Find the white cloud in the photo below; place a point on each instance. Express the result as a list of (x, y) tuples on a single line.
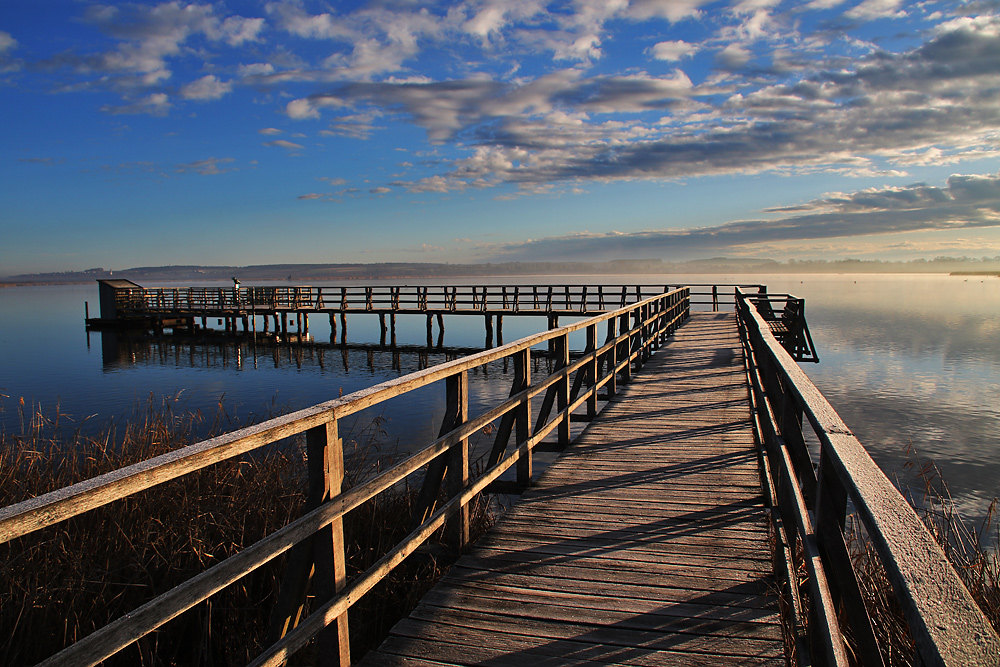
[(966, 202), (270, 131), (149, 37), (676, 50), (208, 167), (734, 56), (206, 88), (256, 69), (236, 30), (876, 9), (818, 5), (309, 107), (7, 42), (380, 190), (673, 10), (282, 143), (156, 104)]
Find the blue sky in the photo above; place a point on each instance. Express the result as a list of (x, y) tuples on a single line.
[(145, 134)]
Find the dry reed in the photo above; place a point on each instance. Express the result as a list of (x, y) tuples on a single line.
[(971, 549), (59, 584)]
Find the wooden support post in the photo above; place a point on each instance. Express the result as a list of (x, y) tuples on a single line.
[(326, 471), (333, 328), (457, 400), (440, 319), (305, 323), (591, 370), (321, 557), (343, 327), (553, 324), (522, 380), (489, 330), (430, 331), (499, 329), (456, 413), (382, 328), (612, 384), (625, 353), (562, 394)]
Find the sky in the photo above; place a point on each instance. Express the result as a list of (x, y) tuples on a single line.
[(245, 132)]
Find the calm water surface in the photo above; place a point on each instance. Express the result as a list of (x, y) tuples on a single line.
[(905, 359)]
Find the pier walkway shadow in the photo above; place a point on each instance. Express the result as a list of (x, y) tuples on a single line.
[(645, 543)]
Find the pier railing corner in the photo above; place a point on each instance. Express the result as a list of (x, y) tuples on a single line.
[(810, 494)]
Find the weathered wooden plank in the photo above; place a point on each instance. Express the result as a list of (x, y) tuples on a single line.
[(675, 580), (680, 618), (475, 648), (596, 582), (644, 543), (616, 634)]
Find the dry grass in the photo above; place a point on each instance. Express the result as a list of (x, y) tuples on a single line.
[(59, 584), (971, 549)]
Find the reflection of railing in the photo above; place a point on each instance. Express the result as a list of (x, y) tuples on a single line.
[(809, 508), (513, 299), (632, 334)]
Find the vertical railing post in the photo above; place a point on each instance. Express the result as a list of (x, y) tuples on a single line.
[(522, 380), (326, 477), (457, 476), (612, 384), (625, 352), (322, 556), (591, 370), (635, 337), (562, 395)]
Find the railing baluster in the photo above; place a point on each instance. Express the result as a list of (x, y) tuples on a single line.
[(457, 475)]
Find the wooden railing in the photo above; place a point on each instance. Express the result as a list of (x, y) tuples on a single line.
[(809, 510), (632, 333), (514, 299)]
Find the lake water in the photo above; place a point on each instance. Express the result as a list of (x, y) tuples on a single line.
[(904, 359)]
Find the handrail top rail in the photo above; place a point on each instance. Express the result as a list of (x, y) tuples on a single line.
[(656, 285), (201, 454), (935, 601)]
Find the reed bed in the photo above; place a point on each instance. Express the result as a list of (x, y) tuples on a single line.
[(971, 548), (59, 584)]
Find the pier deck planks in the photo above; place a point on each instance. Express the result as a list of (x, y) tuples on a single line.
[(645, 543)]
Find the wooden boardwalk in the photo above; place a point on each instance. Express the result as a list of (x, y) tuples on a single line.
[(645, 543)]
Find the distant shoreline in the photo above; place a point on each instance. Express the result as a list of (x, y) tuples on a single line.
[(410, 271)]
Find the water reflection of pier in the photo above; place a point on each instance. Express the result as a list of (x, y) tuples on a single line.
[(238, 351)]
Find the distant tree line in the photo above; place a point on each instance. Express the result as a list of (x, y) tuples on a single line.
[(321, 273)]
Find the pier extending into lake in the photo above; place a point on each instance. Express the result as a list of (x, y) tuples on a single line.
[(645, 543), (124, 303)]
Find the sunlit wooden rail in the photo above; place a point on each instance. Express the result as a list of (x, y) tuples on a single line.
[(808, 498), (811, 495), (565, 299)]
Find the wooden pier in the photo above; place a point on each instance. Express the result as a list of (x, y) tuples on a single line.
[(126, 304), (711, 475), (645, 543)]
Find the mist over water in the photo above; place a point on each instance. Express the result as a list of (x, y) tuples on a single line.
[(905, 359)]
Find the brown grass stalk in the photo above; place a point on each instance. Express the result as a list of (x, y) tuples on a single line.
[(59, 584)]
